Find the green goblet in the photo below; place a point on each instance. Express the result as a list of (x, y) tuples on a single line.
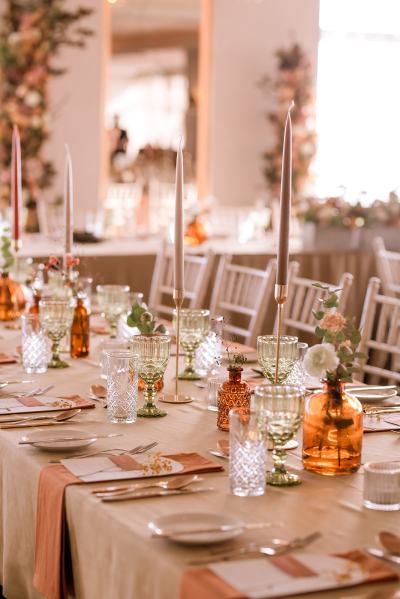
[(194, 326), (56, 316), (113, 302), (266, 354), (153, 351), (279, 409)]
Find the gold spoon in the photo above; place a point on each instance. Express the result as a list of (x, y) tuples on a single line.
[(99, 391), (172, 484), (66, 415), (390, 542)]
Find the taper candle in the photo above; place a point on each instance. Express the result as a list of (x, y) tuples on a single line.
[(68, 202), (286, 193), (16, 186), (178, 239)]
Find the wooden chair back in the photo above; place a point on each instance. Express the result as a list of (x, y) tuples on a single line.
[(388, 266)]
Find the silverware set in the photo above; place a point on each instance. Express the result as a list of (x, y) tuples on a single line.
[(133, 451), (31, 393), (171, 486), (22, 421)]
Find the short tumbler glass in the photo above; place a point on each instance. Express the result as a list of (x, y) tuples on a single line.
[(247, 454), (382, 486), (122, 386), (35, 345)]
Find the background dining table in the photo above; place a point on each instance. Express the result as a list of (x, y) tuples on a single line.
[(113, 554)]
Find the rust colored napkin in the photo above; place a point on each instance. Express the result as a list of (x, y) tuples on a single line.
[(50, 546), (198, 583), (7, 358), (100, 329)]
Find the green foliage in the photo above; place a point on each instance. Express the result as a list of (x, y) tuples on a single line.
[(141, 318)]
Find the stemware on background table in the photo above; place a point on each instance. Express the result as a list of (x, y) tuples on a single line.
[(266, 354), (122, 385), (194, 326), (35, 345), (113, 301), (153, 351), (56, 317), (279, 409)]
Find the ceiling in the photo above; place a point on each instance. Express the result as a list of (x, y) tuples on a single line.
[(133, 16)]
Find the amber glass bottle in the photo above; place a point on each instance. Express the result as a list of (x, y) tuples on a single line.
[(80, 331), (34, 306), (12, 300), (332, 431), (234, 393)]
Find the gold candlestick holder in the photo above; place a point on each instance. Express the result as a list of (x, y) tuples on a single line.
[(179, 296), (281, 292)]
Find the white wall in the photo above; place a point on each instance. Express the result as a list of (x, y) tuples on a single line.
[(77, 112), (245, 35)]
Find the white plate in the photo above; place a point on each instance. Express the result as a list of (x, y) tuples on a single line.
[(374, 396), (60, 445), (194, 520)]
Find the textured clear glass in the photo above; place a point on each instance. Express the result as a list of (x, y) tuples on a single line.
[(213, 385), (35, 345), (56, 317), (110, 345), (247, 453), (113, 301), (153, 351), (266, 354), (279, 409), (382, 486), (122, 386), (298, 376), (209, 355), (194, 326)]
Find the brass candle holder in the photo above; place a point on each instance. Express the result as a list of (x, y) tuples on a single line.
[(179, 296)]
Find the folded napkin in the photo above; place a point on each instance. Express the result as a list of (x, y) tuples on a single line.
[(191, 462), (7, 358), (198, 583), (50, 546), (100, 329)]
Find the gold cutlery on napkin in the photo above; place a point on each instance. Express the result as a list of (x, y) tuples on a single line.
[(155, 493), (177, 482), (65, 415), (59, 439)]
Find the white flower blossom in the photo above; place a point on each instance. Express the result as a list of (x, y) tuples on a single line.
[(319, 359)]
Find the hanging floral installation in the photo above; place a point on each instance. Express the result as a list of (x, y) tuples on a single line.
[(294, 81), (32, 33)]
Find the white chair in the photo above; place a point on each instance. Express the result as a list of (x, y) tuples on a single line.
[(380, 336), (197, 275), (243, 293), (388, 266), (303, 298)]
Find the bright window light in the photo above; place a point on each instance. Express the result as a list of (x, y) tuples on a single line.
[(358, 98)]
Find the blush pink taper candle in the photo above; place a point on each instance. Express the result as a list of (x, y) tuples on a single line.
[(178, 238), (16, 187), (68, 202), (286, 196)]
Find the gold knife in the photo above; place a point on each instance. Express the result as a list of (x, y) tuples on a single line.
[(156, 493)]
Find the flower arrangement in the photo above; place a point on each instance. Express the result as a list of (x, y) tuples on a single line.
[(334, 358), (294, 82), (141, 318), (67, 270), (31, 36)]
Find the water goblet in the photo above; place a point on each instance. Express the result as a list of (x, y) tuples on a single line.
[(113, 301), (153, 351), (56, 316), (266, 354), (279, 409), (194, 326)]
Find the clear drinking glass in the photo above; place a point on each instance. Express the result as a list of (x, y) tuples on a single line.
[(194, 326), (279, 409), (153, 351), (213, 384), (110, 345), (266, 354), (35, 345), (382, 486), (209, 355), (113, 301), (56, 316), (122, 385), (298, 376), (247, 453)]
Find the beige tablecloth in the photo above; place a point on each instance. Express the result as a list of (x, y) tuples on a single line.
[(113, 555)]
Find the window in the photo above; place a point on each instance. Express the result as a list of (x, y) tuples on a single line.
[(358, 98)]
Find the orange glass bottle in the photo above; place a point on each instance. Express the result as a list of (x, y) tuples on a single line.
[(234, 393), (80, 331)]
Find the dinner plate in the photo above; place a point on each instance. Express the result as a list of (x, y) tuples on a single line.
[(200, 520), (376, 396), (36, 436)]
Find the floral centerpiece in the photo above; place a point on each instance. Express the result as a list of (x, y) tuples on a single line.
[(333, 426)]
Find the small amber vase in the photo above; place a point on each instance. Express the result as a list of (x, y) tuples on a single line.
[(332, 431), (80, 331), (12, 299), (234, 393)]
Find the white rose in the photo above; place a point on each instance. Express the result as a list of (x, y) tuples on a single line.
[(32, 98), (319, 359)]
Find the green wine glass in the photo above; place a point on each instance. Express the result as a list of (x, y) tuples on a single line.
[(266, 354), (194, 326), (153, 351), (56, 316)]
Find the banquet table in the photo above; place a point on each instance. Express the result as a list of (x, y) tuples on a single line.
[(113, 554)]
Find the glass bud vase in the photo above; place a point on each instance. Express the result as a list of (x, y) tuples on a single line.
[(12, 299), (233, 393), (332, 431)]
